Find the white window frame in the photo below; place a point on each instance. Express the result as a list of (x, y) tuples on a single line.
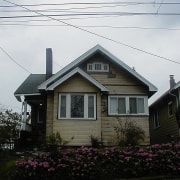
[(68, 105), (156, 122), (91, 67), (127, 107)]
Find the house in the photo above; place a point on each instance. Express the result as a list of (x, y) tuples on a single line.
[(164, 115), (85, 98)]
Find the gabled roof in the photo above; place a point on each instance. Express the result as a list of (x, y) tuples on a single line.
[(166, 94), (82, 73), (176, 86), (85, 56)]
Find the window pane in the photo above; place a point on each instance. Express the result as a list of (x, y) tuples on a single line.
[(140, 105), (97, 66), (90, 106), (63, 106), (90, 67), (113, 105), (121, 106), (77, 106), (132, 105)]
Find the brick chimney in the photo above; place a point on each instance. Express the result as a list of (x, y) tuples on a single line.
[(49, 67), (172, 81)]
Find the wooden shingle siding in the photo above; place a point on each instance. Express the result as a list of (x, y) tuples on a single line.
[(117, 80), (122, 83), (133, 90)]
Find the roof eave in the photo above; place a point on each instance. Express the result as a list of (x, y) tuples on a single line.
[(82, 73), (19, 96)]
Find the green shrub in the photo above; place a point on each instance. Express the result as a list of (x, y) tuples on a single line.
[(95, 141), (110, 163), (128, 132)]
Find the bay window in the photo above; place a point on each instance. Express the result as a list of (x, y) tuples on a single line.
[(122, 105), (77, 106)]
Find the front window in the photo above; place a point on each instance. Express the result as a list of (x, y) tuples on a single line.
[(136, 105), (77, 106), (122, 105)]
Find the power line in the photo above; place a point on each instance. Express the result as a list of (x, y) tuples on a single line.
[(12, 59), (92, 14), (90, 26), (98, 3), (98, 35), (159, 6), (57, 64), (66, 19), (64, 9)]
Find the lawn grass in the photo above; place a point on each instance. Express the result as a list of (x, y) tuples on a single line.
[(153, 178), (7, 163)]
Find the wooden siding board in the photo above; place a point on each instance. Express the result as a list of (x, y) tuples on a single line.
[(168, 125)]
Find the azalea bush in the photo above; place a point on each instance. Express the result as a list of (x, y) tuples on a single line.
[(108, 163)]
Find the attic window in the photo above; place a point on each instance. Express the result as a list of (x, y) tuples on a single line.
[(98, 67)]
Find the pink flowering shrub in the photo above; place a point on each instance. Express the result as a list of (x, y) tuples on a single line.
[(108, 163)]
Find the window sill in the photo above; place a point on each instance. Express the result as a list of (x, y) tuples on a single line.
[(76, 119)]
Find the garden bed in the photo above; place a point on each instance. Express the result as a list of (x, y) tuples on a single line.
[(160, 161)]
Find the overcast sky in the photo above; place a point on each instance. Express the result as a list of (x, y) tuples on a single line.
[(145, 34)]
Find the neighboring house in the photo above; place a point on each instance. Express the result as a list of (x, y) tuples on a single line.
[(165, 116), (86, 97)]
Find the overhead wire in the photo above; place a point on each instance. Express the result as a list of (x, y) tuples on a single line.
[(12, 59), (97, 3), (64, 9), (96, 34), (159, 6), (92, 26), (92, 14)]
